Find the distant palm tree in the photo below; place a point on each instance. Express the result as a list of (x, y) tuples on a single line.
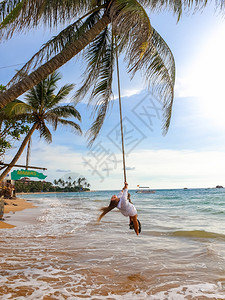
[(60, 181), (63, 183), (79, 181), (83, 180), (43, 106)]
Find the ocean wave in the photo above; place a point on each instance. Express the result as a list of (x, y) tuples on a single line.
[(192, 291), (198, 234)]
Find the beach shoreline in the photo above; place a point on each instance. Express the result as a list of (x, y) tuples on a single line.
[(12, 206), (40, 193)]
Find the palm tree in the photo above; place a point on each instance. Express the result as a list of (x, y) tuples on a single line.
[(79, 182), (41, 107), (93, 26), (74, 183), (60, 181)]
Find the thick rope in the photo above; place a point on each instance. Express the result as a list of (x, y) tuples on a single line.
[(28, 153), (121, 118)]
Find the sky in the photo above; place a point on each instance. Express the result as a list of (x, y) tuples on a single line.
[(190, 155)]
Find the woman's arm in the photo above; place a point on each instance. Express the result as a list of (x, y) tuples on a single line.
[(125, 185)]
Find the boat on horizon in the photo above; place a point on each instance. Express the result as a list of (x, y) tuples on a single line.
[(144, 190)]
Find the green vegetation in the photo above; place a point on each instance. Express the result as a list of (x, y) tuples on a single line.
[(11, 130), (60, 185), (43, 107)]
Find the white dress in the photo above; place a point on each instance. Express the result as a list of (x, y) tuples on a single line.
[(125, 207)]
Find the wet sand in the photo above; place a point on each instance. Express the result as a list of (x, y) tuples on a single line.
[(14, 205)]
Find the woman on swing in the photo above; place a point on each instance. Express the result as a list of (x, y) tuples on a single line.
[(125, 206)]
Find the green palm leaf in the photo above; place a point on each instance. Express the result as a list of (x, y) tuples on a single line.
[(76, 128), (158, 67), (17, 16), (43, 106), (62, 94), (45, 132), (102, 92), (65, 111), (18, 107), (131, 14), (94, 55), (57, 44)]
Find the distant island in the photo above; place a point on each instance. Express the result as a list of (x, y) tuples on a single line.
[(25, 185), (219, 187)]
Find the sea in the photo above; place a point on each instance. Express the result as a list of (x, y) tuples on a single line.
[(59, 251)]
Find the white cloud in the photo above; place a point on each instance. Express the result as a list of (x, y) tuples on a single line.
[(56, 158), (128, 92), (154, 168), (177, 169)]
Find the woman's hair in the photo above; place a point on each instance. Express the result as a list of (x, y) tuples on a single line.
[(106, 209)]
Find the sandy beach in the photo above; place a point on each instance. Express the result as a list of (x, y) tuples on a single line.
[(13, 206)]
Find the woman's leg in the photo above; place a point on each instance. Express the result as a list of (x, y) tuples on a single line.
[(135, 222)]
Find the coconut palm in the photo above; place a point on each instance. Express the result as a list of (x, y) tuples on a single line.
[(43, 107), (74, 183), (93, 27)]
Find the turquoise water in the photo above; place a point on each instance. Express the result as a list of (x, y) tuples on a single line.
[(66, 254)]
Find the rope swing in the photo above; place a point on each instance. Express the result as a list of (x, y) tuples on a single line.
[(121, 118)]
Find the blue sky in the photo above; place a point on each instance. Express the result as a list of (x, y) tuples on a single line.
[(190, 155)]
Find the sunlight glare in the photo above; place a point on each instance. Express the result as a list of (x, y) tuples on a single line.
[(207, 77)]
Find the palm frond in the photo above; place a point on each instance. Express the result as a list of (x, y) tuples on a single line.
[(179, 7), (49, 87), (65, 111), (18, 16), (17, 107), (61, 95), (9, 11), (40, 95), (102, 92), (158, 68), (45, 132), (33, 96), (74, 126), (96, 126), (131, 25), (94, 55), (56, 45)]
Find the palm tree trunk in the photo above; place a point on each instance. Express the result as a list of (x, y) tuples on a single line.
[(56, 62), (19, 152)]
